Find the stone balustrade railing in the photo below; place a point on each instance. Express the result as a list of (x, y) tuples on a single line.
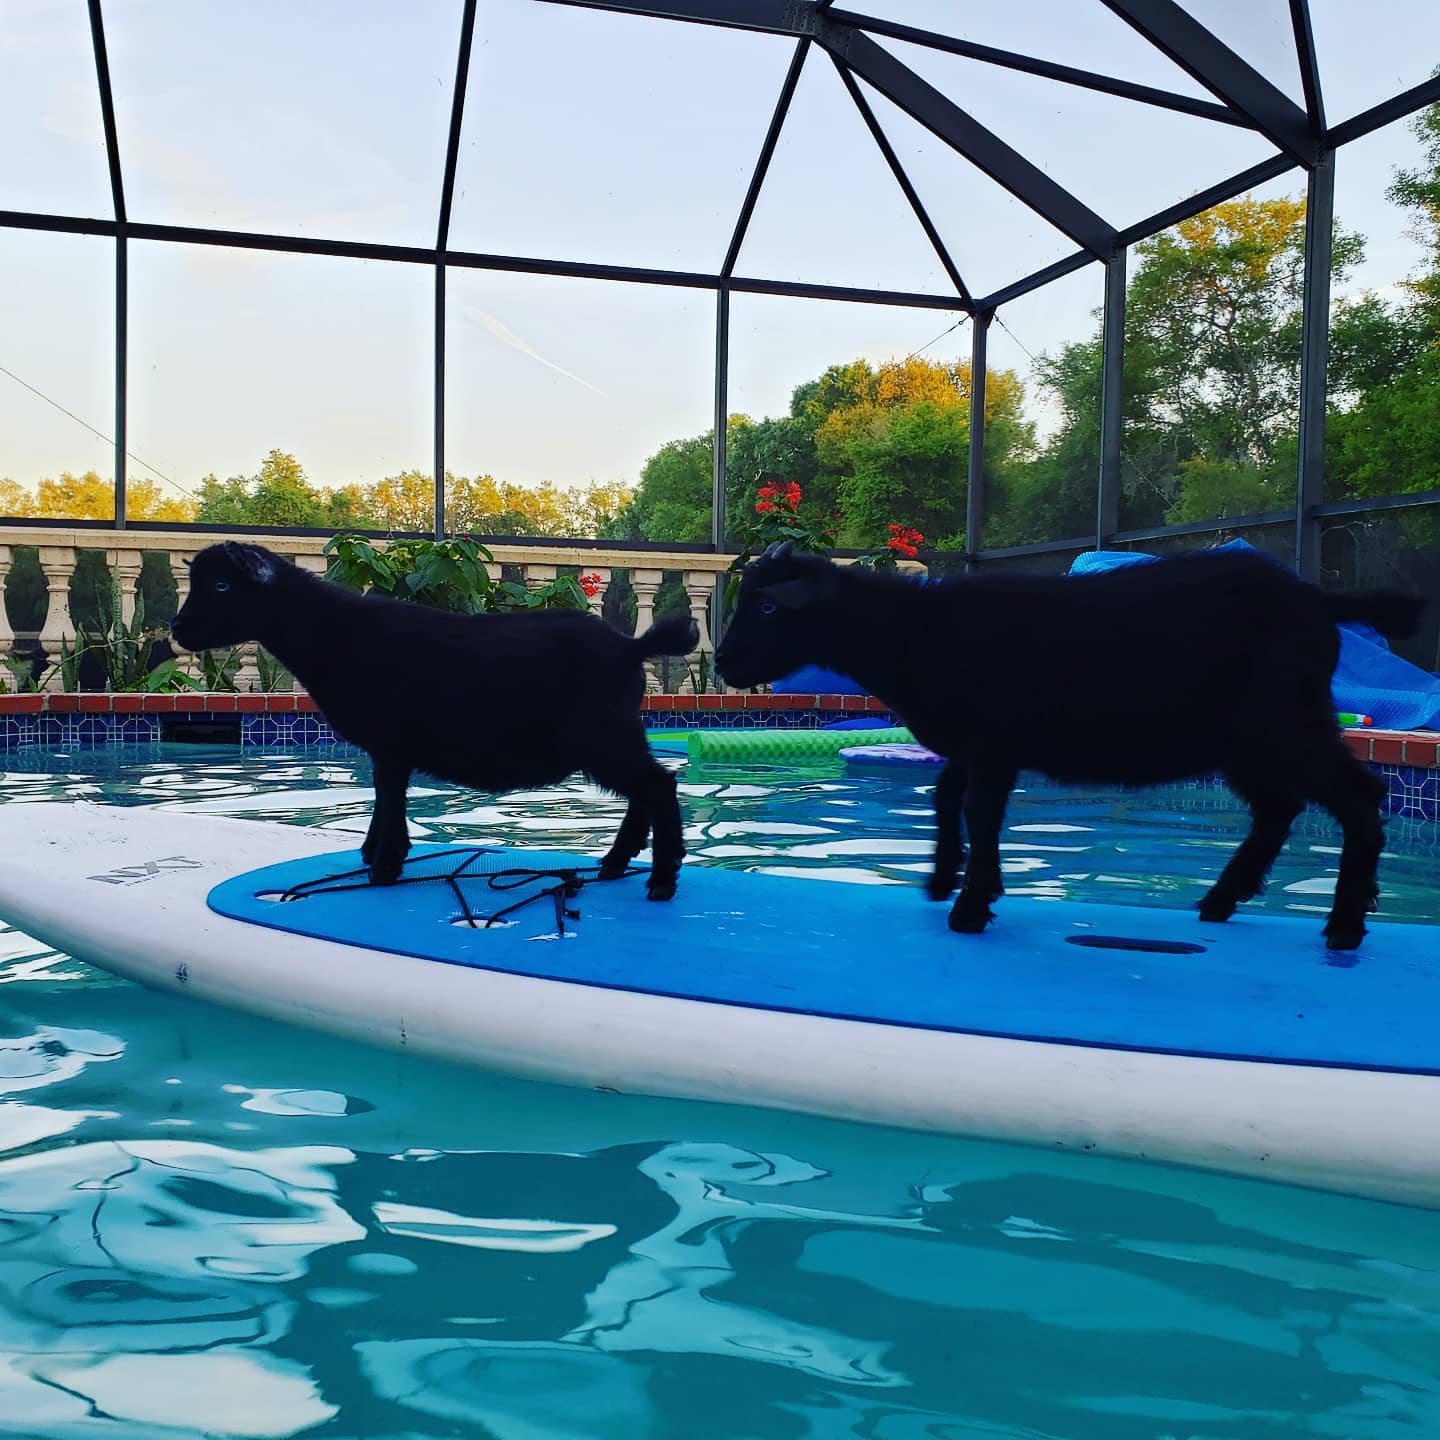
[(58, 550)]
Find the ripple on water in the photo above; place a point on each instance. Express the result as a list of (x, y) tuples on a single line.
[(344, 1242)]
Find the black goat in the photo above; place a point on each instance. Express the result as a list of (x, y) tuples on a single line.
[(507, 701), (1139, 675)]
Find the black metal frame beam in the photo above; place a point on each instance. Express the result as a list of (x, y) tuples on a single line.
[(470, 260), (1152, 225), (962, 132), (722, 417), (1112, 394), (1407, 102), (122, 259), (1247, 99), (882, 141), (1309, 65), (898, 83), (442, 241), (1047, 69), (1314, 361), (767, 153), (1178, 35), (975, 472)]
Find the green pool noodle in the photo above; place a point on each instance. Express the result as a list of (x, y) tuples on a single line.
[(722, 746)]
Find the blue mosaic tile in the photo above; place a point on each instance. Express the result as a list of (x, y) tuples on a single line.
[(19, 730), (285, 730)]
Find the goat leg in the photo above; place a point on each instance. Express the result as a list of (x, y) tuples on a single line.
[(949, 831), (669, 835), (388, 839), (986, 797), (1272, 812), (1354, 800), (629, 841)]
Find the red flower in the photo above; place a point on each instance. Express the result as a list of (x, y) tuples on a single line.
[(764, 507), (591, 585), (792, 494), (769, 492)]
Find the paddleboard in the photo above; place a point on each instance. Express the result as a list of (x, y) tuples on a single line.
[(1246, 1048)]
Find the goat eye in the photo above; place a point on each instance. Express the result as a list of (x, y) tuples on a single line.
[(768, 607), (221, 586)]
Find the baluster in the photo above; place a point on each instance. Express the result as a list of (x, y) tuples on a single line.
[(58, 564), (597, 600), (699, 587), (180, 569), (645, 583), (7, 634), (125, 568)]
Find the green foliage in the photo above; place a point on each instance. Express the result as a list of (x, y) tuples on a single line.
[(279, 495), (69, 665), (446, 575), (272, 675), (124, 651), (219, 668), (443, 574)]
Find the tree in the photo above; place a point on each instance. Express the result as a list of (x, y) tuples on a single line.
[(89, 497), (877, 444), (1210, 387)]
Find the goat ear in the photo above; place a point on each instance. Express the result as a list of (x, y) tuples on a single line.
[(251, 561), (795, 594)]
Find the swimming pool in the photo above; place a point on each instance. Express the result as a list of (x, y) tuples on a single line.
[(216, 1225)]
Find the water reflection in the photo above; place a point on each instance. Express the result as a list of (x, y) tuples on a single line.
[(209, 1225), (1164, 846), (679, 1287)]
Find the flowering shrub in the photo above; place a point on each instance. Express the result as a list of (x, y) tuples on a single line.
[(904, 541), (591, 585), (780, 514)]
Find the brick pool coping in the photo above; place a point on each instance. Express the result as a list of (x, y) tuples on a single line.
[(1418, 748)]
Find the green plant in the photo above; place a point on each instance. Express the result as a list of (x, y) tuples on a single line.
[(123, 650), (903, 541), (564, 592), (272, 675), (699, 674), (218, 669), (780, 514), (22, 674), (446, 575), (69, 665)]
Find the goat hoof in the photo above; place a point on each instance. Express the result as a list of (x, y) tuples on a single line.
[(1344, 937), (385, 872), (940, 889), (612, 869), (660, 890), (970, 922), (1215, 910)]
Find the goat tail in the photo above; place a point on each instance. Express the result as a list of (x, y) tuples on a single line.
[(1391, 612), (676, 634)]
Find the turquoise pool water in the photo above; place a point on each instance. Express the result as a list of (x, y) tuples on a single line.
[(210, 1225)]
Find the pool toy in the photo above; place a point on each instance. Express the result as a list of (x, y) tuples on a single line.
[(1243, 1047), (763, 746), (891, 757)]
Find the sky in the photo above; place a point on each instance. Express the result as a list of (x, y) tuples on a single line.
[(588, 136)]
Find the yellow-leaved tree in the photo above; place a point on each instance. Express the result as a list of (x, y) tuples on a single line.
[(89, 497)]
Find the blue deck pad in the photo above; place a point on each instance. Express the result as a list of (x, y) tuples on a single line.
[(1262, 987)]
